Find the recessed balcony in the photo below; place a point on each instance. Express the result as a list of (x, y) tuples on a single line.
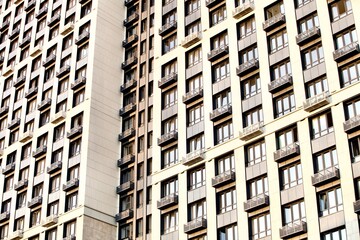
[(130, 40), (125, 187), (54, 20), (357, 206), (129, 108), (167, 138), (293, 229), (352, 124), (167, 28), (252, 131), (128, 85), (211, 3), (5, 25), (49, 60), (168, 201), (274, 22), (168, 80), (26, 136), (316, 101), (130, 158), (74, 132), (36, 201), (71, 184), (20, 80), (287, 152), (63, 71), (280, 83), (128, 133), (191, 39), (20, 185), (4, 110), (50, 221), (78, 83), (124, 215), (325, 176), (131, 19), (42, 12), (14, 123), (243, 9), (8, 168), (54, 167), (31, 92), (192, 95), (30, 5), (346, 52), (39, 151), (4, 216), (26, 41), (308, 36), (129, 63), (221, 112), (218, 53), (195, 225), (194, 157), (247, 67), (257, 202), (223, 178), (83, 37), (14, 33), (44, 104)]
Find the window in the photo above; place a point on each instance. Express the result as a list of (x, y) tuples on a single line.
[(196, 143), (83, 51), (194, 27), (352, 108), (170, 98), (316, 87), (85, 9), (70, 4), (126, 203), (192, 6), (226, 201), (6, 206), (330, 201), (126, 231), (225, 164), (291, 176), (226, 233), (221, 71), (71, 201), (8, 183), (284, 104), (280, 70), (274, 10), (294, 213), (219, 41), (196, 114), (196, 178), (321, 125), (255, 153), (169, 222), (67, 42), (194, 57), (345, 38), (286, 137), (223, 132), (38, 190), (169, 43), (70, 229), (4, 231), (350, 74), (194, 84), (170, 157), (258, 187), (338, 234), (253, 116), (340, 9), (170, 126), (169, 187), (39, 167), (278, 41), (355, 148), (308, 23), (51, 234), (31, 106), (53, 208), (247, 27), (35, 217), (44, 118), (79, 97), (57, 156), (14, 136), (19, 224), (249, 54), (21, 200), (312, 57), (300, 3), (55, 183), (260, 226), (326, 160), (251, 87), (73, 173), (75, 148), (218, 15)]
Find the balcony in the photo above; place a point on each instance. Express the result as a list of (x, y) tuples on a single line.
[(127, 109), (287, 152), (167, 28), (59, 116), (125, 187), (352, 124), (71, 184), (41, 12), (20, 80), (168, 80), (127, 3), (218, 53), (31, 92), (54, 20), (124, 215), (83, 37), (25, 41), (131, 19), (125, 135), (130, 158), (71, 237), (346, 52), (192, 95), (316, 101), (36, 201), (195, 225), (7, 71), (168, 201), (293, 229), (308, 36), (14, 123), (194, 157), (167, 138), (36, 50), (130, 40), (4, 216), (63, 71), (17, 235), (4, 110), (26, 136), (8, 168), (257, 202), (128, 85), (223, 178), (247, 67), (252, 131), (39, 151), (191, 39), (221, 112), (5, 25), (211, 3), (74, 132), (30, 5), (243, 9), (280, 83), (50, 221), (44, 104), (325, 176), (54, 167), (21, 185), (78, 83), (49, 60), (67, 29), (14, 33), (357, 207), (129, 63), (274, 22)]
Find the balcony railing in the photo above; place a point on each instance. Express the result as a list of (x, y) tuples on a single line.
[(63, 71), (127, 3), (218, 52), (71, 184), (128, 85), (167, 28), (25, 41), (223, 178), (39, 151), (75, 131), (280, 83), (192, 95), (14, 123), (82, 38), (5, 25), (130, 40), (55, 19), (30, 5), (49, 60), (127, 186), (273, 22), (352, 124), (130, 158), (14, 33), (129, 63), (44, 104), (4, 216), (50, 221), (21, 184), (194, 157), (167, 138), (316, 101), (81, 81), (357, 207), (293, 229), (41, 12), (168, 80), (286, 152), (127, 109), (346, 51), (71, 237), (243, 9), (167, 201), (191, 39), (55, 166), (124, 215), (247, 67), (36, 201), (195, 225), (221, 112), (31, 92), (131, 19), (8, 168), (128, 133), (4, 110), (252, 131), (20, 80), (325, 176), (211, 3), (308, 35), (257, 202)]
